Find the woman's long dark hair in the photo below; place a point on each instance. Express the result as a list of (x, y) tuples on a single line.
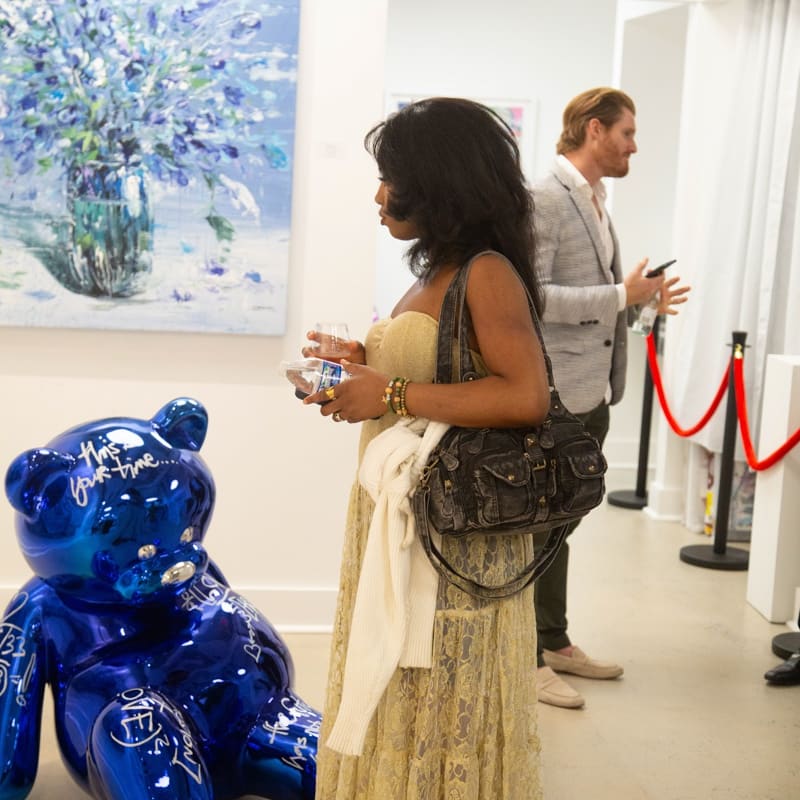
[(453, 168)]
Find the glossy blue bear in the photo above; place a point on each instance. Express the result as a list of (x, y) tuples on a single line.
[(167, 684)]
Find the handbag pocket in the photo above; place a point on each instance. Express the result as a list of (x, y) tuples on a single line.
[(581, 470), (504, 491)]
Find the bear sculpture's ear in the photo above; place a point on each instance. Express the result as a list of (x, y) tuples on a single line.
[(30, 475), (183, 423)]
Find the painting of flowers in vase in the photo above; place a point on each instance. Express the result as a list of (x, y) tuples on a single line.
[(146, 153)]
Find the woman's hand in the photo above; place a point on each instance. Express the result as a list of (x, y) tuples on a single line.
[(354, 351), (355, 399)]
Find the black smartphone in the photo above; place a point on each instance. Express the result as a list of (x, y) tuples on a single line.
[(659, 269)]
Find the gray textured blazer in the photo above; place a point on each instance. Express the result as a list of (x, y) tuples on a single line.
[(585, 335)]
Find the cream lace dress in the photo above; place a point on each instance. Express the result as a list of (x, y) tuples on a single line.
[(465, 729)]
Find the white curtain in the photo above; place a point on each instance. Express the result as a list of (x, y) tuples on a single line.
[(737, 229)]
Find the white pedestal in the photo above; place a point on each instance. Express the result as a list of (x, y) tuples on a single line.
[(774, 570)]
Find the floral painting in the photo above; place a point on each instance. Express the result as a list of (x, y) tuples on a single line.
[(146, 153)]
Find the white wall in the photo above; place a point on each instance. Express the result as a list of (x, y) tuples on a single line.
[(282, 473)]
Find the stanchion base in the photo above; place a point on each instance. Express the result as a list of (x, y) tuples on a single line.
[(703, 555), (626, 498), (785, 645)]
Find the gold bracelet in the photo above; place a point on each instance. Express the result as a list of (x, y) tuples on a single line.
[(387, 396)]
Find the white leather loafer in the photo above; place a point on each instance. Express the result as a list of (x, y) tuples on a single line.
[(552, 690)]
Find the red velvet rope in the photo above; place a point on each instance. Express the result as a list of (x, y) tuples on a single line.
[(654, 372), (744, 427)]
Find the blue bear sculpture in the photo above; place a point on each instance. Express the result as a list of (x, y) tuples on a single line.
[(167, 684)]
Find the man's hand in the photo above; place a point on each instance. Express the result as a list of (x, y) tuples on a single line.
[(672, 297), (638, 287)]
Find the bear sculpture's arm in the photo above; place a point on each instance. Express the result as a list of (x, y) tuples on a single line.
[(22, 681)]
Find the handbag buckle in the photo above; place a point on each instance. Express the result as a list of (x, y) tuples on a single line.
[(425, 473)]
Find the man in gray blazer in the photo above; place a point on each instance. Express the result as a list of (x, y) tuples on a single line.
[(588, 305)]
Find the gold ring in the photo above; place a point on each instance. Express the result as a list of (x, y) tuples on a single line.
[(337, 417), (329, 393)]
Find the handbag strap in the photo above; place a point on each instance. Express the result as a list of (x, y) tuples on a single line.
[(454, 325), (527, 575)]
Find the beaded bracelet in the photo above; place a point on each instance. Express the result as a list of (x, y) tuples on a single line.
[(394, 396), (388, 395)]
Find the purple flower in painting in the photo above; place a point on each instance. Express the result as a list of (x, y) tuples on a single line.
[(233, 94), (214, 267)]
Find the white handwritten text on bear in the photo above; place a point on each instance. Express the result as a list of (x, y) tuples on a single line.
[(106, 464)]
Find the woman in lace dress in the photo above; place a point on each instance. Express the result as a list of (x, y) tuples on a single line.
[(463, 727)]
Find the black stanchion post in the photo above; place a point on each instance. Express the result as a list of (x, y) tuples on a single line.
[(625, 498), (719, 556), (785, 645)]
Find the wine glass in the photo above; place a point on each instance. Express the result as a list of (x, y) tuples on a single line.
[(332, 341)]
